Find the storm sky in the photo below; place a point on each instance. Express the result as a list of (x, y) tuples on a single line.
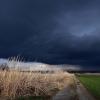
[(51, 31)]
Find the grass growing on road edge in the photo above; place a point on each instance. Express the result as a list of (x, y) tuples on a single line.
[(92, 83)]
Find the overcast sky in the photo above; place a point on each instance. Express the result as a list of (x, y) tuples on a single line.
[(51, 31)]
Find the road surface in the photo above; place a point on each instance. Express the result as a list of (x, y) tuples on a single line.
[(69, 94)]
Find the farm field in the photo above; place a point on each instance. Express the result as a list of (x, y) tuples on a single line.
[(92, 83)]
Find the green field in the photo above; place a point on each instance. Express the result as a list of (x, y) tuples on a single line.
[(92, 83)]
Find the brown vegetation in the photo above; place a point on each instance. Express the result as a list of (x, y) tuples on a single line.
[(15, 84)]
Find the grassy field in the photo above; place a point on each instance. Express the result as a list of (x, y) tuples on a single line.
[(92, 83), (24, 85)]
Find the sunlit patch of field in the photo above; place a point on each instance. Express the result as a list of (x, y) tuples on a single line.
[(15, 84)]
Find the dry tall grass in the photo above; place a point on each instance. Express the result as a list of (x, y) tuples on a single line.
[(15, 84)]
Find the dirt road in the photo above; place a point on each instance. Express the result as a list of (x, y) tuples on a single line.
[(82, 92), (66, 94), (69, 94)]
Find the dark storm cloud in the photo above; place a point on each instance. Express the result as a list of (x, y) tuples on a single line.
[(52, 31)]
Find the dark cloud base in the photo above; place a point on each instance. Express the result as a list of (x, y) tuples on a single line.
[(53, 31)]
